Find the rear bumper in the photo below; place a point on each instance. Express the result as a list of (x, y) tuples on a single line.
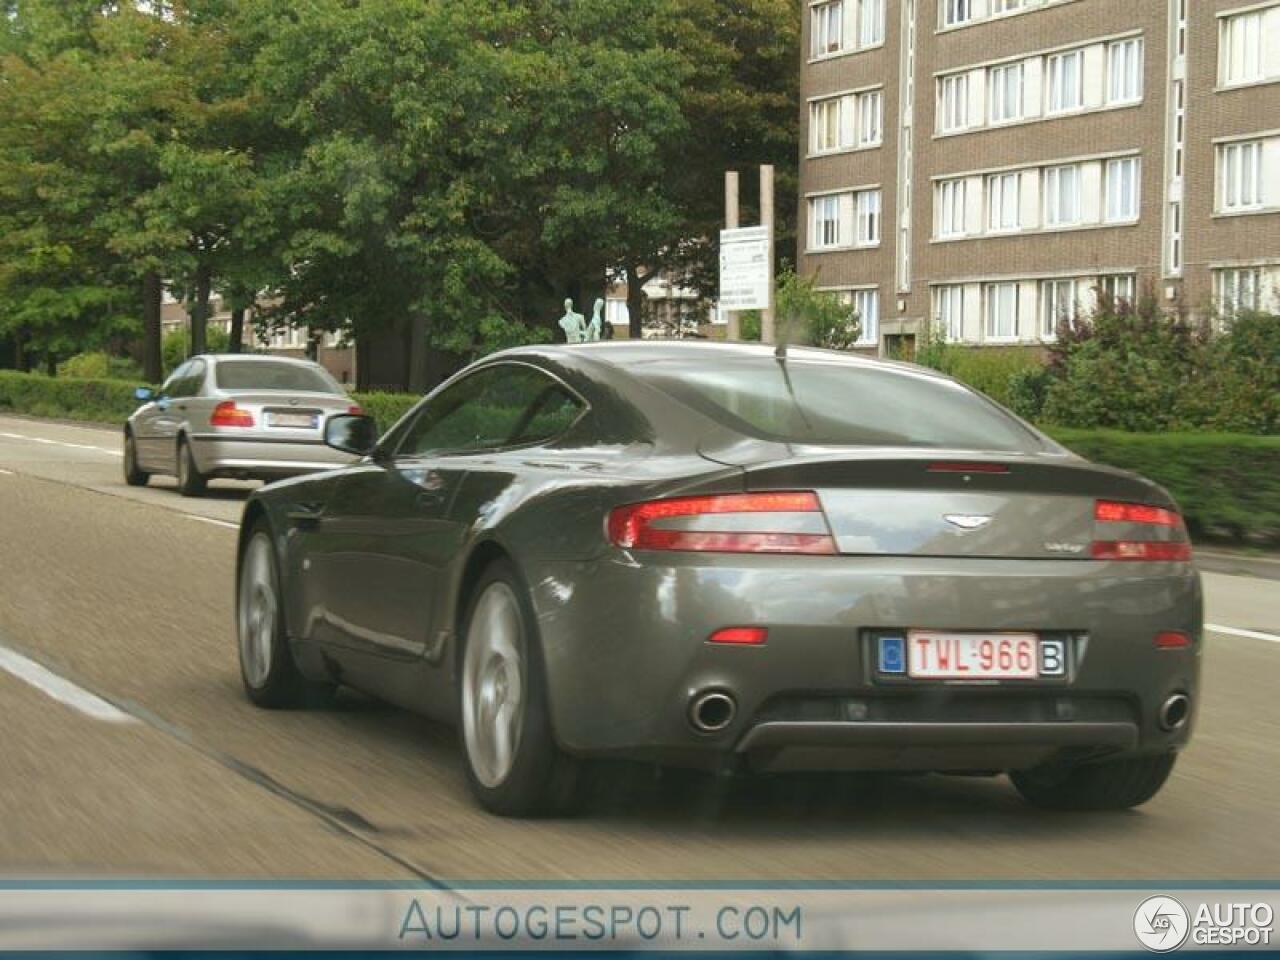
[(625, 641), (221, 455)]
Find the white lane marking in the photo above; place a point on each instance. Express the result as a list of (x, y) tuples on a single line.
[(62, 443), (60, 688), (219, 523), (1237, 632), (7, 473)]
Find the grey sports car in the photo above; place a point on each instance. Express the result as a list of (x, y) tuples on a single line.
[(246, 416), (733, 558)]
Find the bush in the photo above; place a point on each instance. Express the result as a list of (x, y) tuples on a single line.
[(812, 316), (65, 398), (1001, 373), (386, 408), (99, 366), (1228, 485), (173, 348)]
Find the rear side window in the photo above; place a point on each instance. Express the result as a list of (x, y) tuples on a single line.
[(836, 403), (504, 405), (270, 375)]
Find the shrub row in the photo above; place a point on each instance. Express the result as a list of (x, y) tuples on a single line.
[(1227, 484)]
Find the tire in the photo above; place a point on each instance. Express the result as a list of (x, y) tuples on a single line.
[(1110, 785), (133, 476), (191, 482), (267, 668), (513, 764)]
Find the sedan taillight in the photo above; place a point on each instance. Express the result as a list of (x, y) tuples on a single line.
[(227, 414), (789, 522), (1177, 550)]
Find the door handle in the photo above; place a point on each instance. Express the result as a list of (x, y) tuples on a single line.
[(306, 516)]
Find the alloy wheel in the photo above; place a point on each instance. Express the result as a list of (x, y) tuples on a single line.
[(258, 609), (493, 685)]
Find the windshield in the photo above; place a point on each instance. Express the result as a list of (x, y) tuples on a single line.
[(839, 404), (269, 375)]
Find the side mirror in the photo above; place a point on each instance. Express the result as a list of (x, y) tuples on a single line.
[(144, 394), (351, 433)]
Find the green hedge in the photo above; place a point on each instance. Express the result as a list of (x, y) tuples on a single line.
[(1228, 484)]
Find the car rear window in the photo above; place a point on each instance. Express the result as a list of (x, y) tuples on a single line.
[(839, 403), (266, 375)]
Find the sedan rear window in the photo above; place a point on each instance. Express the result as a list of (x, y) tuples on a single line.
[(839, 404), (267, 375)]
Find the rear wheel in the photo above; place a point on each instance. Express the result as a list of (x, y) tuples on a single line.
[(513, 764), (1110, 785), (133, 476), (191, 482), (271, 678)]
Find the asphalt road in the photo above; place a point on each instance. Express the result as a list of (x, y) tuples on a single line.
[(128, 749)]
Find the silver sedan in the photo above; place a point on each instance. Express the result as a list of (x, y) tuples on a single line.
[(234, 415)]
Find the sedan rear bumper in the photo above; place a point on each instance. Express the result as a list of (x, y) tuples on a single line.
[(223, 455)]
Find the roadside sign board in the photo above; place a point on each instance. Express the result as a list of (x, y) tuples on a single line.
[(744, 269)]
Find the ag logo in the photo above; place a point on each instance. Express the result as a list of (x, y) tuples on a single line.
[(1161, 924)]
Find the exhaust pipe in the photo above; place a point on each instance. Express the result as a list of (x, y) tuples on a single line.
[(1175, 711), (712, 711)]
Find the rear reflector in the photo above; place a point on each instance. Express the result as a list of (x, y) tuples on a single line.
[(1170, 551), (1109, 511), (749, 523), (949, 466), (1172, 639), (743, 636), (227, 414)]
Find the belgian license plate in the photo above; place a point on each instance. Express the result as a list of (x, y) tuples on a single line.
[(940, 655), (306, 420)]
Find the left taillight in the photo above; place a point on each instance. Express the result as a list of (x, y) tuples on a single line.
[(1140, 547), (782, 522), (227, 414)]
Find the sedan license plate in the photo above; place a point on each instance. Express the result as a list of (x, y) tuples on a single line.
[(940, 655), (304, 420)]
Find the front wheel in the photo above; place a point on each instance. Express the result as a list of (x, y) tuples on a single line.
[(514, 766), (133, 476), (191, 482), (1109, 785)]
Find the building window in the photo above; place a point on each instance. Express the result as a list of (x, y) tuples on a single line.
[(824, 213), (1237, 290), (1240, 176), (825, 125), (1057, 306), (1124, 71), (1240, 48), (1006, 6), (1175, 238), (868, 206), (1118, 288), (1002, 311), (1066, 81), (1005, 87), (871, 23), (953, 106), (870, 110), (1004, 202), (1062, 196), (1123, 188), (827, 28), (951, 208), (956, 12), (867, 305), (949, 309)]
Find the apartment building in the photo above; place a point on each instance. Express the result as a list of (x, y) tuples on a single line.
[(985, 168)]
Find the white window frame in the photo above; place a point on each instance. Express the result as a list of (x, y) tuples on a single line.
[(1059, 300), (826, 28), (1000, 8), (951, 199), (953, 103), (1004, 202), (1120, 287), (866, 205), (1241, 53), (870, 23), (1125, 63), (993, 297), (1237, 288), (1123, 190), (954, 13), (1064, 82), (1239, 176), (825, 229), (1007, 93), (866, 303), (1058, 213), (822, 113), (869, 118), (948, 310)]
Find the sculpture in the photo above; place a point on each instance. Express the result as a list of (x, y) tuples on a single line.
[(595, 328), (573, 324)]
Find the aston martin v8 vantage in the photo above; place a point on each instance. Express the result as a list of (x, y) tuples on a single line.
[(730, 557)]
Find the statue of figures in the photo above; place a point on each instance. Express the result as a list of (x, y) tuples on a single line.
[(573, 324), (596, 326)]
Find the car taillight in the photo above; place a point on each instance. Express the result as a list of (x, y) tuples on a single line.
[(790, 522), (227, 414), (741, 636), (1177, 550), (355, 410)]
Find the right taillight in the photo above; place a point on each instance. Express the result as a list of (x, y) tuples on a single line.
[(782, 522), (1139, 515)]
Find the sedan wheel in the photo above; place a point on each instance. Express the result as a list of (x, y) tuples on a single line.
[(513, 763), (133, 476), (191, 482)]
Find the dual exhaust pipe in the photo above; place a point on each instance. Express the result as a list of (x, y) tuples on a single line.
[(1175, 712)]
